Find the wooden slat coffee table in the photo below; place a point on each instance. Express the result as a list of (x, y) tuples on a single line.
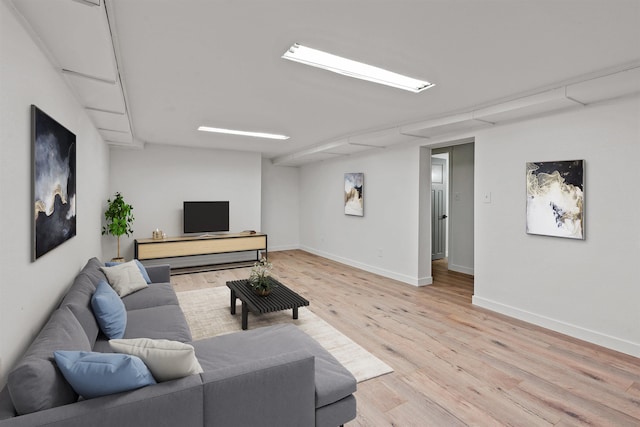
[(280, 298)]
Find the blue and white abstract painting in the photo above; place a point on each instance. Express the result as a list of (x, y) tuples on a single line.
[(54, 183), (354, 194), (555, 198)]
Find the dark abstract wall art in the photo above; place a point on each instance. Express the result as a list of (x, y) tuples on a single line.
[(54, 183), (354, 194), (555, 198)]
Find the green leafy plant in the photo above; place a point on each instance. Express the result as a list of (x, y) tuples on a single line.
[(119, 218), (259, 277)]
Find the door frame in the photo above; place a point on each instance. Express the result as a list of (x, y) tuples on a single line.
[(424, 253), (434, 154)]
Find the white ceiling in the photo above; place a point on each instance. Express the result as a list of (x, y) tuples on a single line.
[(161, 68)]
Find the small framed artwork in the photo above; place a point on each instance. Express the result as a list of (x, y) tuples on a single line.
[(555, 198), (354, 194), (54, 183)]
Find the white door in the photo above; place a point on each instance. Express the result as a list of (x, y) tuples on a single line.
[(438, 208)]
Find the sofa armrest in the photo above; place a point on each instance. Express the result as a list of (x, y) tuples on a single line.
[(171, 403), (275, 391), (159, 273)]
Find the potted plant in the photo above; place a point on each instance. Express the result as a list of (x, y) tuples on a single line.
[(119, 220), (259, 277)]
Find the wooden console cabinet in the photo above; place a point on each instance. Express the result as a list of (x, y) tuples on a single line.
[(172, 247)]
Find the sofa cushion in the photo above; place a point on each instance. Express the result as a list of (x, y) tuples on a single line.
[(333, 381), (152, 296), (125, 278), (81, 290), (159, 273), (338, 413), (102, 345), (162, 322), (100, 374), (78, 298), (141, 267), (92, 270), (86, 318), (109, 311), (167, 360), (35, 383)]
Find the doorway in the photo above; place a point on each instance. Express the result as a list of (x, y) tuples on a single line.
[(439, 205), (452, 206)]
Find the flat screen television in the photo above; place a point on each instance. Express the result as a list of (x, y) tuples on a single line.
[(205, 217)]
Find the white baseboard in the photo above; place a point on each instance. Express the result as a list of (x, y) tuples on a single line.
[(461, 269), (283, 248), (575, 331), (415, 281), (424, 281)]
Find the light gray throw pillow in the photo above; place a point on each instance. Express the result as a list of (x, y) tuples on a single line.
[(125, 278), (167, 360)]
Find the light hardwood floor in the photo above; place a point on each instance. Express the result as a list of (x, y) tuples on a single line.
[(455, 364)]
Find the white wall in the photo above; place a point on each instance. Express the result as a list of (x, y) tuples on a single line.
[(157, 180), (589, 289), (386, 239), (29, 291), (281, 206)]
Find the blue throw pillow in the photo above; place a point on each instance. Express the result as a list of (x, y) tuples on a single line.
[(99, 374), (109, 311), (143, 270)]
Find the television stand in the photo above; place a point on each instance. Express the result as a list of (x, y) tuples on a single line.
[(207, 235), (186, 246)]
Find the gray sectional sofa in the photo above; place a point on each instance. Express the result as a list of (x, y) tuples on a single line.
[(274, 376)]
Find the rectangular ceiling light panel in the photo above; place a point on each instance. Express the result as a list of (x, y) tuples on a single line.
[(242, 133), (358, 70)]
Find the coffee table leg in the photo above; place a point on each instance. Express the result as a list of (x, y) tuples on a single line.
[(245, 316), (295, 312), (233, 301)]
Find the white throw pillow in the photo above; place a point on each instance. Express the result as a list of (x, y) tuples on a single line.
[(167, 360), (125, 278)]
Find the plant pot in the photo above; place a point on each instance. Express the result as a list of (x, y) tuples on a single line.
[(262, 292)]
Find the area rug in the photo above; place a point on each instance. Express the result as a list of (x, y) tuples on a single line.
[(208, 315)]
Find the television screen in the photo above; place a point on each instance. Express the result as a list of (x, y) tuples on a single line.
[(206, 217)]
